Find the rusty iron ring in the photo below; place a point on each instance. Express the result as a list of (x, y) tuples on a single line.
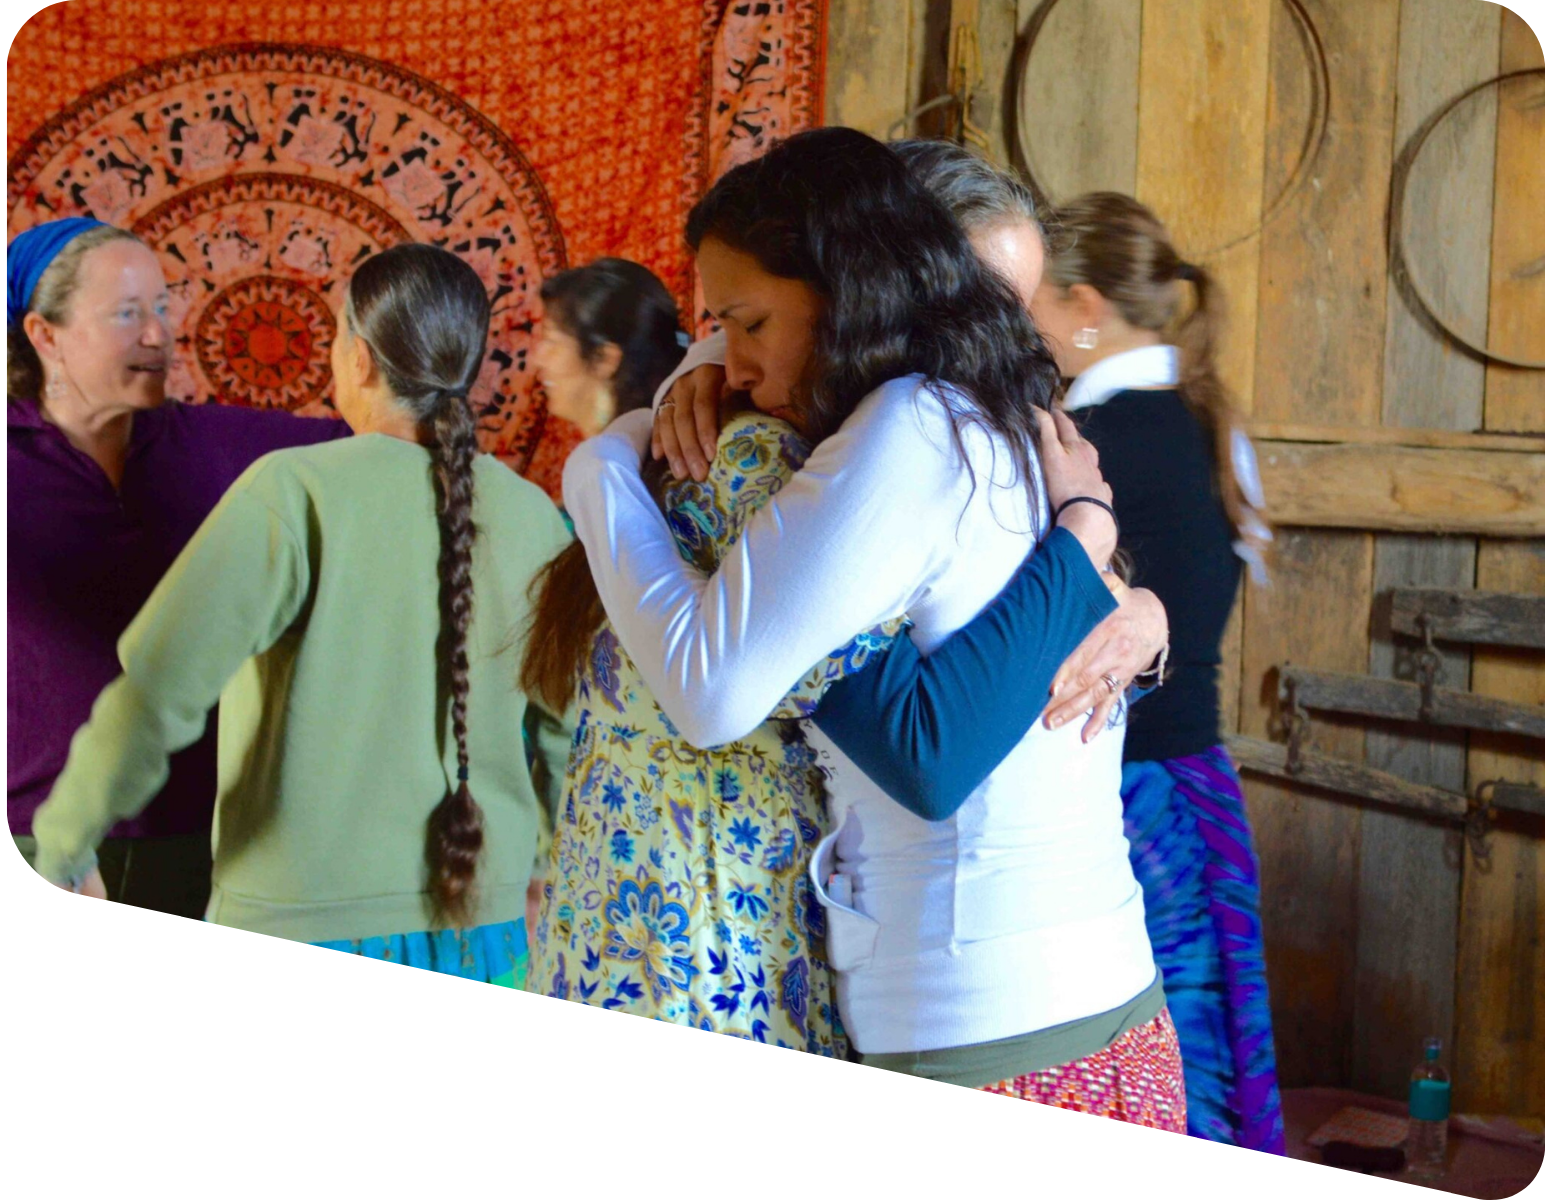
[(1312, 140), (1404, 272)]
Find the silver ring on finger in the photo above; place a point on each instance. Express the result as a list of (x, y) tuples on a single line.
[(1111, 682)]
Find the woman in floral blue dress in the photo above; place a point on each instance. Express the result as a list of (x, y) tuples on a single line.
[(678, 886)]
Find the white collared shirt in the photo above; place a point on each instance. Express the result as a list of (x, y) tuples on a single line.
[(1143, 367), (1156, 367)]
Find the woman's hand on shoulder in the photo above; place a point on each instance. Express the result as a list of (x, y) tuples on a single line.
[(1124, 646), (1071, 468), (685, 429)]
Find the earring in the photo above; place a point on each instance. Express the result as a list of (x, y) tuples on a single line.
[(1085, 339), (54, 389)]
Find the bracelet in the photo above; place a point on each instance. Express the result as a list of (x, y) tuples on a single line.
[(1101, 504), (1154, 675)]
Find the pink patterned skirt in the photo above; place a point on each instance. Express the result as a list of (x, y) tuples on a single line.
[(1137, 1079)]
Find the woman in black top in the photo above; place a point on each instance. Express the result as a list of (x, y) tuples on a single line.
[(1146, 392)]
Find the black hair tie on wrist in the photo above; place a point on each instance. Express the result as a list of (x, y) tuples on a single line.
[(1101, 504)]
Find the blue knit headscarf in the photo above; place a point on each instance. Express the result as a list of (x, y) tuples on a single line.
[(30, 254)]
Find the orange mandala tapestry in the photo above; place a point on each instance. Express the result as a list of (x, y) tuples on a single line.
[(264, 150)]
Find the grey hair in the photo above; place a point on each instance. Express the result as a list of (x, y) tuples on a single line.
[(423, 313), (52, 300), (977, 192)]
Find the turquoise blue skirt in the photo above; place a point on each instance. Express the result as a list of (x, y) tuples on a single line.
[(496, 954)]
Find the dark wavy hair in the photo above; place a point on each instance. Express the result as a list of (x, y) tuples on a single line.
[(423, 313), (903, 292), (614, 301), (611, 301)]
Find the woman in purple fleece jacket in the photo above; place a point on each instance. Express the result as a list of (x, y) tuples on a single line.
[(107, 481)]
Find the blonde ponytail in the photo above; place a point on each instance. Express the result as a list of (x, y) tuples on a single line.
[(1118, 246)]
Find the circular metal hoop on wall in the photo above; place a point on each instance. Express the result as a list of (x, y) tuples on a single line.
[(1404, 266), (1312, 139)]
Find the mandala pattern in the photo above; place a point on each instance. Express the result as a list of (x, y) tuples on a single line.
[(263, 174), (239, 158), (265, 337)]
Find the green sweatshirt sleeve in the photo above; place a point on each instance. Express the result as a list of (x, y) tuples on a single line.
[(238, 585)]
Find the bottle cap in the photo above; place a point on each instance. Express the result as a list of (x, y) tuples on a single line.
[(1433, 1049)]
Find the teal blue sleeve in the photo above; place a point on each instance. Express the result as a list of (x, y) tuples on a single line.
[(929, 730)]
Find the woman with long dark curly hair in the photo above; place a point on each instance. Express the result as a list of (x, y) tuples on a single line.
[(352, 606), (1004, 947)]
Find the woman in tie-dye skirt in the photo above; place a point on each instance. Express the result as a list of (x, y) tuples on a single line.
[(1146, 392)]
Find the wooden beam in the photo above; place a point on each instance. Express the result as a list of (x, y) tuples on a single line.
[(1483, 618), (1324, 277), (1515, 797), (1501, 940), (1404, 489), (1322, 310), (1435, 439), (1350, 779), (1401, 700), (995, 24), (1406, 946), (1514, 399), (1203, 96), (868, 77), (1258, 757)]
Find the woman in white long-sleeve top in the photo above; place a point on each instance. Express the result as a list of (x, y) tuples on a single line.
[(1004, 947)]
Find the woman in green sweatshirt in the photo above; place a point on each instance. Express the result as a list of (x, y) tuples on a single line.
[(353, 605)]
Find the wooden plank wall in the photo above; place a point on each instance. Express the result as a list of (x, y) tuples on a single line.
[(1381, 928), (1500, 1027), (1322, 306), (1409, 870), (1088, 141)]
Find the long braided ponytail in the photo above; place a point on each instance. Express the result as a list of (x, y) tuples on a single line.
[(454, 830), (423, 313)]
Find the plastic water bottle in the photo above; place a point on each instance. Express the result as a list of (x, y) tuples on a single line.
[(1430, 1100)]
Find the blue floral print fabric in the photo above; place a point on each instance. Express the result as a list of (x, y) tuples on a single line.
[(678, 887)]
